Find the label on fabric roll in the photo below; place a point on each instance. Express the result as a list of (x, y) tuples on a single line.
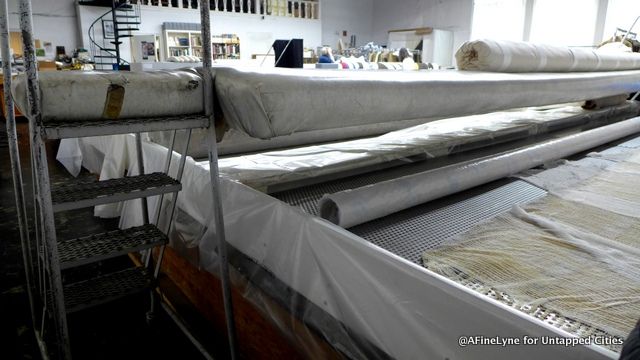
[(113, 102)]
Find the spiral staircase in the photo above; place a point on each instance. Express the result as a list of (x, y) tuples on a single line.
[(107, 32)]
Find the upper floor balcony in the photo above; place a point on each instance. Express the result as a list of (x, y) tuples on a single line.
[(304, 9)]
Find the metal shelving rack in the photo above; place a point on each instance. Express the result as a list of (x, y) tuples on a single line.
[(47, 290)]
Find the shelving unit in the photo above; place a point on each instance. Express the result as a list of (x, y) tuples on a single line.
[(186, 39), (182, 42), (225, 46)]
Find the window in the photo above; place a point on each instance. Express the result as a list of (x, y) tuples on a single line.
[(621, 14), (498, 19), (564, 22)]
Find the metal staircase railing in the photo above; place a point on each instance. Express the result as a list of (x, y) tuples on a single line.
[(54, 297), (108, 30)]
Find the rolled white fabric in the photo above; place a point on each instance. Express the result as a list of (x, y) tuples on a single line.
[(84, 95), (514, 56), (353, 207)]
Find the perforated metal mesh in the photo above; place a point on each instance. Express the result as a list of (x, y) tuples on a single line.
[(307, 197), (409, 233), (106, 288), (97, 247), (73, 191), (551, 317)]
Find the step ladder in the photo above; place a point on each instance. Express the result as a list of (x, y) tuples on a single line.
[(51, 293), (107, 32)]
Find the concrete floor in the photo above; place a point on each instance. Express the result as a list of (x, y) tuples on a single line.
[(114, 331)]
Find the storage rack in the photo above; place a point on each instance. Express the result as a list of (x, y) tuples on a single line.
[(46, 288)]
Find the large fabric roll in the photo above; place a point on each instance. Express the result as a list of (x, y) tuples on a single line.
[(78, 95), (353, 207), (514, 56), (267, 103)]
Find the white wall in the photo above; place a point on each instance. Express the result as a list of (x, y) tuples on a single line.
[(399, 14), (54, 21), (354, 16), (452, 15)]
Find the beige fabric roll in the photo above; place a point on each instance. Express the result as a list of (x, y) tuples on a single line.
[(93, 95), (514, 56)]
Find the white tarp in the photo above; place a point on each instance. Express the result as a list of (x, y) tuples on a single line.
[(81, 95), (518, 56), (276, 102)]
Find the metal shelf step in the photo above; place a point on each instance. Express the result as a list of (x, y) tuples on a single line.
[(127, 29), (128, 23), (79, 194), (105, 56), (94, 248), (72, 129), (106, 288)]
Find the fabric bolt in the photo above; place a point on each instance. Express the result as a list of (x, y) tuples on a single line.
[(517, 56), (269, 103), (82, 96)]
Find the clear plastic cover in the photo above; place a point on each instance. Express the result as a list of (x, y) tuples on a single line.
[(360, 299)]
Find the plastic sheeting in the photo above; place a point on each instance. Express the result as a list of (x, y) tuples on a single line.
[(517, 56), (237, 142), (276, 102), (581, 180), (356, 206), (81, 96), (404, 310), (435, 139)]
